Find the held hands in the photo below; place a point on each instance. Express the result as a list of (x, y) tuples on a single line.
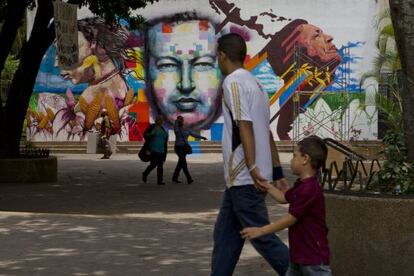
[(252, 232), (281, 184), (261, 183)]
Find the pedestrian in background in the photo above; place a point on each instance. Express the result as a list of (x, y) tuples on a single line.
[(158, 140), (182, 148), (105, 134)]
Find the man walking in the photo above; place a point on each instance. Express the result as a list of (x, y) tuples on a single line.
[(248, 153)]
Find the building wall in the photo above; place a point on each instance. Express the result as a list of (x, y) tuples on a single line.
[(318, 47)]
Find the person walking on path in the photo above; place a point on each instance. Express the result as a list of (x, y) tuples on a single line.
[(105, 134), (181, 143), (249, 153), (158, 139), (308, 233)]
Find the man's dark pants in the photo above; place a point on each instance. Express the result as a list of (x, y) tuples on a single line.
[(244, 206), (157, 160)]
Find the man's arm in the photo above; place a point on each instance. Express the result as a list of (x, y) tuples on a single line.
[(281, 182), (195, 135), (249, 148), (274, 151), (255, 232)]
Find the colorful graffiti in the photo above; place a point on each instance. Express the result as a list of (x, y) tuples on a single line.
[(108, 76), (171, 68), (183, 73)]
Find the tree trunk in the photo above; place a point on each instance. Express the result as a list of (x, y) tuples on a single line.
[(14, 14), (402, 15), (22, 86)]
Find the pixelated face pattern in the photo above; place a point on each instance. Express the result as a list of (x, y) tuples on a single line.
[(183, 70)]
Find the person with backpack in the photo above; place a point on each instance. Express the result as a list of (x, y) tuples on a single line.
[(157, 137), (182, 148), (105, 134)]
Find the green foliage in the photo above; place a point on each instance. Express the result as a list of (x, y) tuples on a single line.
[(396, 171), (391, 107), (341, 101), (112, 11), (10, 67)]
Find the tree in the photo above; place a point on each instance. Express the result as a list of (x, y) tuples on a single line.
[(42, 35), (386, 72), (402, 16)]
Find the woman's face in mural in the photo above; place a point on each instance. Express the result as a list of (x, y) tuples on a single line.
[(183, 70), (318, 43), (80, 74)]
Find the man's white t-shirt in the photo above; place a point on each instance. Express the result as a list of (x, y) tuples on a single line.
[(243, 95)]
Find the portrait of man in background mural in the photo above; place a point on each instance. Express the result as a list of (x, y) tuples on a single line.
[(183, 78), (313, 68), (306, 59)]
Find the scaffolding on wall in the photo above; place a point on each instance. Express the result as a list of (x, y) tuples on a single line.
[(341, 80)]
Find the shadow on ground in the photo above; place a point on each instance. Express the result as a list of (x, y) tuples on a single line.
[(100, 219)]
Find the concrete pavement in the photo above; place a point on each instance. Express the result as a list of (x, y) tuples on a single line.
[(100, 219)]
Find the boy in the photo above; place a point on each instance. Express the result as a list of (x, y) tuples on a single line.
[(308, 241)]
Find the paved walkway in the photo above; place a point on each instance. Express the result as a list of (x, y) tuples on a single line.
[(100, 219)]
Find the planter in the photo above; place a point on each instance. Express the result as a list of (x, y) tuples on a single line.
[(28, 170), (370, 235)]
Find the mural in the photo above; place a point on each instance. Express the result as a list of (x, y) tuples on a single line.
[(183, 73), (110, 63), (309, 69)]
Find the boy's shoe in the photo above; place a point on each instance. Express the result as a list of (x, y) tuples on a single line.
[(190, 181), (176, 180), (144, 178)]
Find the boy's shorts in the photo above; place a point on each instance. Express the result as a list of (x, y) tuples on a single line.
[(308, 270)]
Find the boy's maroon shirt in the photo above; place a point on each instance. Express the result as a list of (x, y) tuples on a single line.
[(308, 237)]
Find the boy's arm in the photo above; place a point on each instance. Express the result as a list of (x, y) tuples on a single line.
[(255, 232), (277, 194)]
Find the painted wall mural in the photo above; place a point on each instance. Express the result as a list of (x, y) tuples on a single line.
[(307, 59)]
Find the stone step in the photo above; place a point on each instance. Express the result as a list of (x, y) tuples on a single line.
[(134, 147)]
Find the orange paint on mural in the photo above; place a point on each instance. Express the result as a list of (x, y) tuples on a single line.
[(166, 28)]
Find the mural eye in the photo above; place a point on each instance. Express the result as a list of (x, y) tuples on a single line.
[(167, 67), (203, 66)]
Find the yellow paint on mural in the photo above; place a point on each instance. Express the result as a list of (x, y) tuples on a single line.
[(184, 28), (141, 96)]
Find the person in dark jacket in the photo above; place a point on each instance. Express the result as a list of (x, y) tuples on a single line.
[(181, 141), (157, 137), (105, 134)]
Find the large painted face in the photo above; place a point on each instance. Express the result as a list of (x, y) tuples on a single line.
[(183, 70), (318, 43), (81, 74)]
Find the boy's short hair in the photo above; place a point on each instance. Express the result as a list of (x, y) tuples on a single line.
[(234, 46), (316, 148)]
